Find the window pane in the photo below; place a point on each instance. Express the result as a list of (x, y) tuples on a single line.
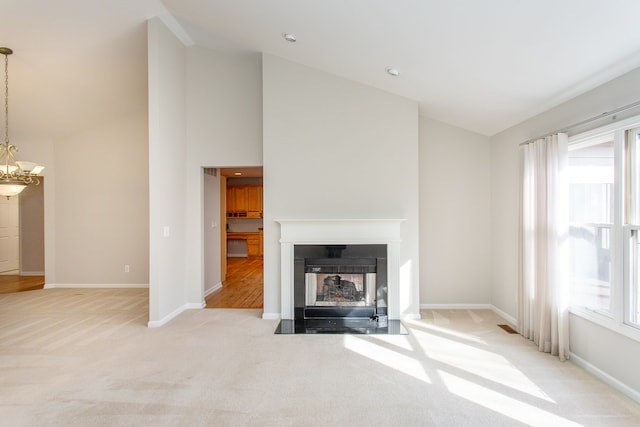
[(632, 219), (631, 174), (591, 266), (634, 260), (591, 190)]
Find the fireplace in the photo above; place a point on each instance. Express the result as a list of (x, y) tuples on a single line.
[(340, 276)]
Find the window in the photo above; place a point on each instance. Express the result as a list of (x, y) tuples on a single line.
[(603, 171)]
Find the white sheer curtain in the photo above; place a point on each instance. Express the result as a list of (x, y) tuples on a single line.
[(543, 291)]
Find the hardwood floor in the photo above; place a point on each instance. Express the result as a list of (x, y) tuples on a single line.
[(15, 283), (243, 287)]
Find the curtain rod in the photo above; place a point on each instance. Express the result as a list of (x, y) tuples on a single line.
[(587, 121)]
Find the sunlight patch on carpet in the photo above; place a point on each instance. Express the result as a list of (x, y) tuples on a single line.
[(504, 405), (387, 357)]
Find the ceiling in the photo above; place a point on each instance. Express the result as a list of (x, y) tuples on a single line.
[(249, 172), (480, 65)]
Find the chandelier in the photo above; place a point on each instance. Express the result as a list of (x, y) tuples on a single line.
[(14, 175)]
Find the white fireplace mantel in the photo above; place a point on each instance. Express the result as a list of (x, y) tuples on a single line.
[(340, 231)]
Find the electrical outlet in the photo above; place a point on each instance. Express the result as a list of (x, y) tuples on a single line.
[(126, 268)]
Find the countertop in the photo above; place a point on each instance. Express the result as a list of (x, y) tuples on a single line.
[(240, 234)]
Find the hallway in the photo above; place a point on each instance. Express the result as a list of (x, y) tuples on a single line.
[(243, 287)]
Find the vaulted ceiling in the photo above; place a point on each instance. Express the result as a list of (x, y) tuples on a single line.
[(480, 65)]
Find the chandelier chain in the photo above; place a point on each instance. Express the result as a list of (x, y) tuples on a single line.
[(6, 99)]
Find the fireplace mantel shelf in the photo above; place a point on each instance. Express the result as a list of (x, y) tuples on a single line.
[(339, 220), (338, 231)]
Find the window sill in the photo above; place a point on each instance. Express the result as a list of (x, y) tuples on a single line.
[(607, 322)]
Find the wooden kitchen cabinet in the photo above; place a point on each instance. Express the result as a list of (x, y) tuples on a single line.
[(231, 201), (254, 242), (237, 202), (244, 201), (254, 201), (240, 199), (253, 246)]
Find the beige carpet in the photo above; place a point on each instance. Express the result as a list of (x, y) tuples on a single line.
[(71, 357)]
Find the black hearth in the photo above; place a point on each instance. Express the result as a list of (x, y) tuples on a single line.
[(340, 289)]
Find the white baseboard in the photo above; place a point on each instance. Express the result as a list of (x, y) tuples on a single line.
[(195, 305), (167, 318), (213, 289), (455, 306), (412, 316), (491, 307), (504, 315), (97, 286), (271, 316), (32, 273), (613, 382)]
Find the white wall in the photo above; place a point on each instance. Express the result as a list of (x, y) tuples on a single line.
[(224, 129), (167, 173), (95, 202), (455, 215), (205, 110), (101, 204), (611, 356), (337, 149), (211, 235), (605, 350), (224, 107)]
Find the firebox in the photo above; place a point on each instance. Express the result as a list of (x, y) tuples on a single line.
[(340, 281)]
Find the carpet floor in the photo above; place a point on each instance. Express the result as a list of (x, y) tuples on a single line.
[(81, 357)]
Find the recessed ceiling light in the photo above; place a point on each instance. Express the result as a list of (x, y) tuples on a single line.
[(393, 71), (289, 37)]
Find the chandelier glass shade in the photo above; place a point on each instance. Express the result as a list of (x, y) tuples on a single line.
[(15, 175)]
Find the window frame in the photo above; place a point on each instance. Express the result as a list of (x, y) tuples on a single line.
[(631, 262), (628, 275), (619, 317)]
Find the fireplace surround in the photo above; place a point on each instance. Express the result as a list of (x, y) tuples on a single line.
[(340, 276)]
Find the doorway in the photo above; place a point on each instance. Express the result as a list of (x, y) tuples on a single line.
[(234, 197), (22, 240)]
